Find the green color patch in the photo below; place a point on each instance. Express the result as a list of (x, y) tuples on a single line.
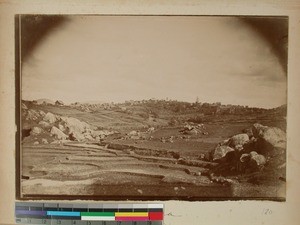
[(97, 214)]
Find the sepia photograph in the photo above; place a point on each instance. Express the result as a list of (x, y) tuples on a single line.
[(151, 107)]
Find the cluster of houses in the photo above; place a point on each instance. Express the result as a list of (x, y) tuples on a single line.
[(178, 107)]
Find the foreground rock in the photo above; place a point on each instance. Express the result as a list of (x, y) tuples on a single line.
[(221, 153), (270, 137), (58, 133), (44, 141), (32, 115), (36, 131), (252, 162), (77, 130), (251, 151), (44, 123), (238, 140), (50, 118)]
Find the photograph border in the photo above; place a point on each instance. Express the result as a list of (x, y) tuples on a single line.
[(18, 102), (176, 212)]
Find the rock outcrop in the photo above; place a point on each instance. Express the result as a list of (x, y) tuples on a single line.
[(270, 138), (238, 140), (50, 118), (44, 123), (32, 115), (44, 141), (250, 151), (76, 128), (47, 127), (194, 129), (58, 133), (221, 153), (61, 127), (36, 131), (252, 162)]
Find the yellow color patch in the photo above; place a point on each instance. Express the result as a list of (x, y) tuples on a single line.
[(124, 214)]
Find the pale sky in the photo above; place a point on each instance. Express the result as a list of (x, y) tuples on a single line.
[(118, 58)]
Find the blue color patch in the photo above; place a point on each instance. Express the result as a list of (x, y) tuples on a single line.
[(62, 213)]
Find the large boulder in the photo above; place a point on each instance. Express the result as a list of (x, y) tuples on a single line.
[(225, 142), (76, 136), (88, 136), (32, 115), (251, 162), (258, 129), (44, 123), (238, 140), (257, 159), (44, 141), (191, 129), (221, 153), (74, 125), (36, 131), (249, 155), (247, 147), (61, 127), (245, 158), (78, 130), (58, 133), (270, 135), (97, 133), (49, 117), (191, 132), (188, 127), (42, 113), (249, 132)]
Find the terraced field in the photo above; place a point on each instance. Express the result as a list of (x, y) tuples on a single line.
[(89, 169)]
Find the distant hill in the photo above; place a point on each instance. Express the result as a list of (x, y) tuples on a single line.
[(157, 113), (93, 102)]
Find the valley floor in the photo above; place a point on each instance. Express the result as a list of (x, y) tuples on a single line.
[(83, 169)]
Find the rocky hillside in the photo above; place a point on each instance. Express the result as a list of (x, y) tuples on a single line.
[(234, 150), (41, 127)]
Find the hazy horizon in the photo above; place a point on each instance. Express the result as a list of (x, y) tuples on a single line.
[(119, 58), (166, 99)]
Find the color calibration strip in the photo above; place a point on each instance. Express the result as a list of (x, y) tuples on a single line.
[(61, 213)]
